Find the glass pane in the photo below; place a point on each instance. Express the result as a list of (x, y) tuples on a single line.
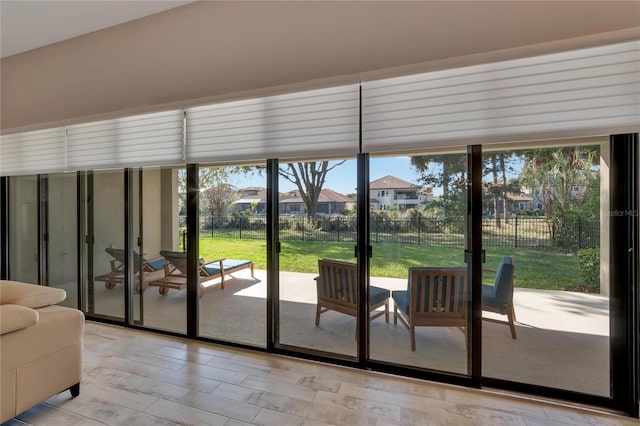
[(105, 231), (417, 230), (23, 228), (162, 303), (232, 247), (62, 231), (318, 302), (545, 291)]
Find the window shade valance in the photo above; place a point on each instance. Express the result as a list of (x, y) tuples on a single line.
[(586, 92), (301, 124), (41, 151), (571, 94), (150, 139)]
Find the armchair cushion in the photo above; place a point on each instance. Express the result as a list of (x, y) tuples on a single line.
[(377, 295), (16, 317), (401, 299), (29, 295)]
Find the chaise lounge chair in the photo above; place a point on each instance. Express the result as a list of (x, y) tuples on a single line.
[(151, 269), (175, 271)]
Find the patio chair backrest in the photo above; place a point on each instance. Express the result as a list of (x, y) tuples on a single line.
[(119, 255), (337, 282), (503, 283), (438, 296)]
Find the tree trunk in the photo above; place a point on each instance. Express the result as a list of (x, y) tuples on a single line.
[(505, 202), (494, 172)]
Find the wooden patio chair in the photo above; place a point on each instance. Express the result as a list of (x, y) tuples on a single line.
[(151, 270), (435, 297), (337, 288), (176, 271), (498, 297)]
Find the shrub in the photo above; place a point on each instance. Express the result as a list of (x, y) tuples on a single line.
[(589, 260)]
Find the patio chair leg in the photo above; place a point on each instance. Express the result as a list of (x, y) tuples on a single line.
[(395, 314), (386, 311), (317, 315), (511, 317), (412, 331)]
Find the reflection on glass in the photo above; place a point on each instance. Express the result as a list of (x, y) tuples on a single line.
[(232, 247), (417, 230), (544, 301), (23, 228), (318, 300), (62, 244)]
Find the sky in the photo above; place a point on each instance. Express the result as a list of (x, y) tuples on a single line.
[(343, 178)]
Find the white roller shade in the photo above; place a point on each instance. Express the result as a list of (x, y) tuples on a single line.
[(587, 92), (304, 124), (142, 140), (41, 151)]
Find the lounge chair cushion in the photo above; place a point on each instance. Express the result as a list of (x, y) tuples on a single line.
[(156, 265), (229, 265)]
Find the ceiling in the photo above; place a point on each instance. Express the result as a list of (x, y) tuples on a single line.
[(27, 25)]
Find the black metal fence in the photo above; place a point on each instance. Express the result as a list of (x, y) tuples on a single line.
[(533, 232)]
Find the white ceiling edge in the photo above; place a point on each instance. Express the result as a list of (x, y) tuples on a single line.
[(27, 25)]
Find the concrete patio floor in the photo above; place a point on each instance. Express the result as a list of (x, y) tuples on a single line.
[(563, 337)]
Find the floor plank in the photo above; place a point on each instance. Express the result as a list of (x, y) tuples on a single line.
[(133, 377)]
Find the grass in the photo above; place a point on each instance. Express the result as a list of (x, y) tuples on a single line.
[(535, 268)]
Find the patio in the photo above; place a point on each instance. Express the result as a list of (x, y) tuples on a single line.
[(563, 337)]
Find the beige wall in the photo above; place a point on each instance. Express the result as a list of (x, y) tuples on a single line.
[(208, 51)]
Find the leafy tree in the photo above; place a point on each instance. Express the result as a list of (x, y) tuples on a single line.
[(309, 178), (566, 182), (444, 171), (216, 194), (497, 164)]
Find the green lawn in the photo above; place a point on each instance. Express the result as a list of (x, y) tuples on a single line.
[(535, 268)]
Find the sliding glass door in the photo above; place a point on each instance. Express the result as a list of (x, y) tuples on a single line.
[(418, 230), (23, 229), (232, 249), (61, 240), (318, 279), (546, 293), (158, 197), (104, 240)]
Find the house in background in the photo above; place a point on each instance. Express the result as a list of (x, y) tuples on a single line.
[(250, 197), (330, 202), (390, 193)]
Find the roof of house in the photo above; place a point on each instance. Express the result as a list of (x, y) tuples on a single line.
[(326, 196), (392, 182), (252, 193)]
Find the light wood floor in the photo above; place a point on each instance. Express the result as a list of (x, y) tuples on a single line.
[(139, 378)]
